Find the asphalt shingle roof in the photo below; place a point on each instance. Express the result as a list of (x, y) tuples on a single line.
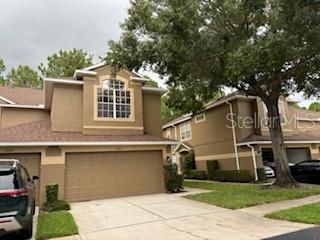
[(40, 131), (22, 96)]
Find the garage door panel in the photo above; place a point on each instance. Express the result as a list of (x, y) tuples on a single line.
[(31, 161), (112, 174)]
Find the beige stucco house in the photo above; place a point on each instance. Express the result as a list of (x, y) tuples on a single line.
[(94, 134), (245, 144)]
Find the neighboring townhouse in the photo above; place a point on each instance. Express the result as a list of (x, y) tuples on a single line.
[(246, 144), (96, 135)]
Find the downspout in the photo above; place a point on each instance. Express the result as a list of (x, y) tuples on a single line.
[(254, 160), (234, 135)]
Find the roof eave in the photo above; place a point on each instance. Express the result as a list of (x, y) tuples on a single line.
[(80, 73), (93, 143)]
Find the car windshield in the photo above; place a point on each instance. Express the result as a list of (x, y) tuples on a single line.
[(8, 180)]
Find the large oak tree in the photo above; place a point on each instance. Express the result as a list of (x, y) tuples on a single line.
[(265, 48)]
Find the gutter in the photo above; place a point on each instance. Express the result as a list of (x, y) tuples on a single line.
[(269, 142), (66, 81), (254, 161), (109, 143), (234, 135), (41, 106)]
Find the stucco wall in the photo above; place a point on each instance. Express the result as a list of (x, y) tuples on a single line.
[(117, 126), (66, 110), (151, 114), (15, 116)]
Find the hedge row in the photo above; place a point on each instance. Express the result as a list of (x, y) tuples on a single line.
[(214, 173)]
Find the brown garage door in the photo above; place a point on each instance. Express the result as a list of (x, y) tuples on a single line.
[(112, 174), (30, 160)]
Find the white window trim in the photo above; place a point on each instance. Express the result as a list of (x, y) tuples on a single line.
[(109, 119), (185, 123), (201, 120)]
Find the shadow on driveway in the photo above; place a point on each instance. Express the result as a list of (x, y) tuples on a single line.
[(306, 234)]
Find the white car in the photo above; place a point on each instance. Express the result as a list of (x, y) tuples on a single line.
[(269, 172)]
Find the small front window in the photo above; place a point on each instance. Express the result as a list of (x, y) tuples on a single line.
[(114, 101), (200, 118), (185, 131)]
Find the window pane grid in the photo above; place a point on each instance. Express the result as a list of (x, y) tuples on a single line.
[(113, 100), (185, 131)]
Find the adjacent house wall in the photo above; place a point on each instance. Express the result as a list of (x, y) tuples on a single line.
[(15, 116), (212, 139), (66, 109)]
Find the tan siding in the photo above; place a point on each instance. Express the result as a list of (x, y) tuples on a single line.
[(15, 116), (212, 136), (66, 111), (152, 113), (244, 110)]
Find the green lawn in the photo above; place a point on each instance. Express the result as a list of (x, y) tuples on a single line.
[(55, 224), (305, 214), (234, 196)]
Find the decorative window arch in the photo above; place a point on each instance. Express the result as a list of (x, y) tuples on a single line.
[(113, 100)]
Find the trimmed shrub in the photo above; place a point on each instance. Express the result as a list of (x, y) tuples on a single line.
[(53, 204), (261, 174), (57, 205), (173, 181), (189, 163), (212, 166), (52, 192), (197, 174), (232, 176)]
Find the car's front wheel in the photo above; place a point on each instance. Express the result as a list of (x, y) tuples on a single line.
[(27, 233)]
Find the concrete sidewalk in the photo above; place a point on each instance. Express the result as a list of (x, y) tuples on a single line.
[(262, 210)]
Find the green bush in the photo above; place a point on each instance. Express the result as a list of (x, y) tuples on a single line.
[(212, 166), (197, 174), (189, 163), (232, 176), (261, 174), (173, 181), (52, 192), (55, 206)]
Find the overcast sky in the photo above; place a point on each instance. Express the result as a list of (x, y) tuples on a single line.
[(31, 30)]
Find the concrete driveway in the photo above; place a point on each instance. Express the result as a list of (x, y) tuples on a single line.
[(170, 216)]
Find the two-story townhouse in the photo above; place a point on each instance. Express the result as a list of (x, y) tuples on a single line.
[(234, 131), (95, 134)]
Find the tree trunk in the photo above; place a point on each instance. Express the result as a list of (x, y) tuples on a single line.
[(283, 173)]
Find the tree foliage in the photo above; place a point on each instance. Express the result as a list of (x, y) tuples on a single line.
[(151, 83), (24, 76), (168, 112), (2, 69), (64, 63), (315, 106), (265, 48)]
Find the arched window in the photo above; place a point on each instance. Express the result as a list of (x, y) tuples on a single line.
[(113, 100)]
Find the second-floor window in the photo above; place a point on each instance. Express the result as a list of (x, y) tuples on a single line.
[(113, 100), (185, 131)]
